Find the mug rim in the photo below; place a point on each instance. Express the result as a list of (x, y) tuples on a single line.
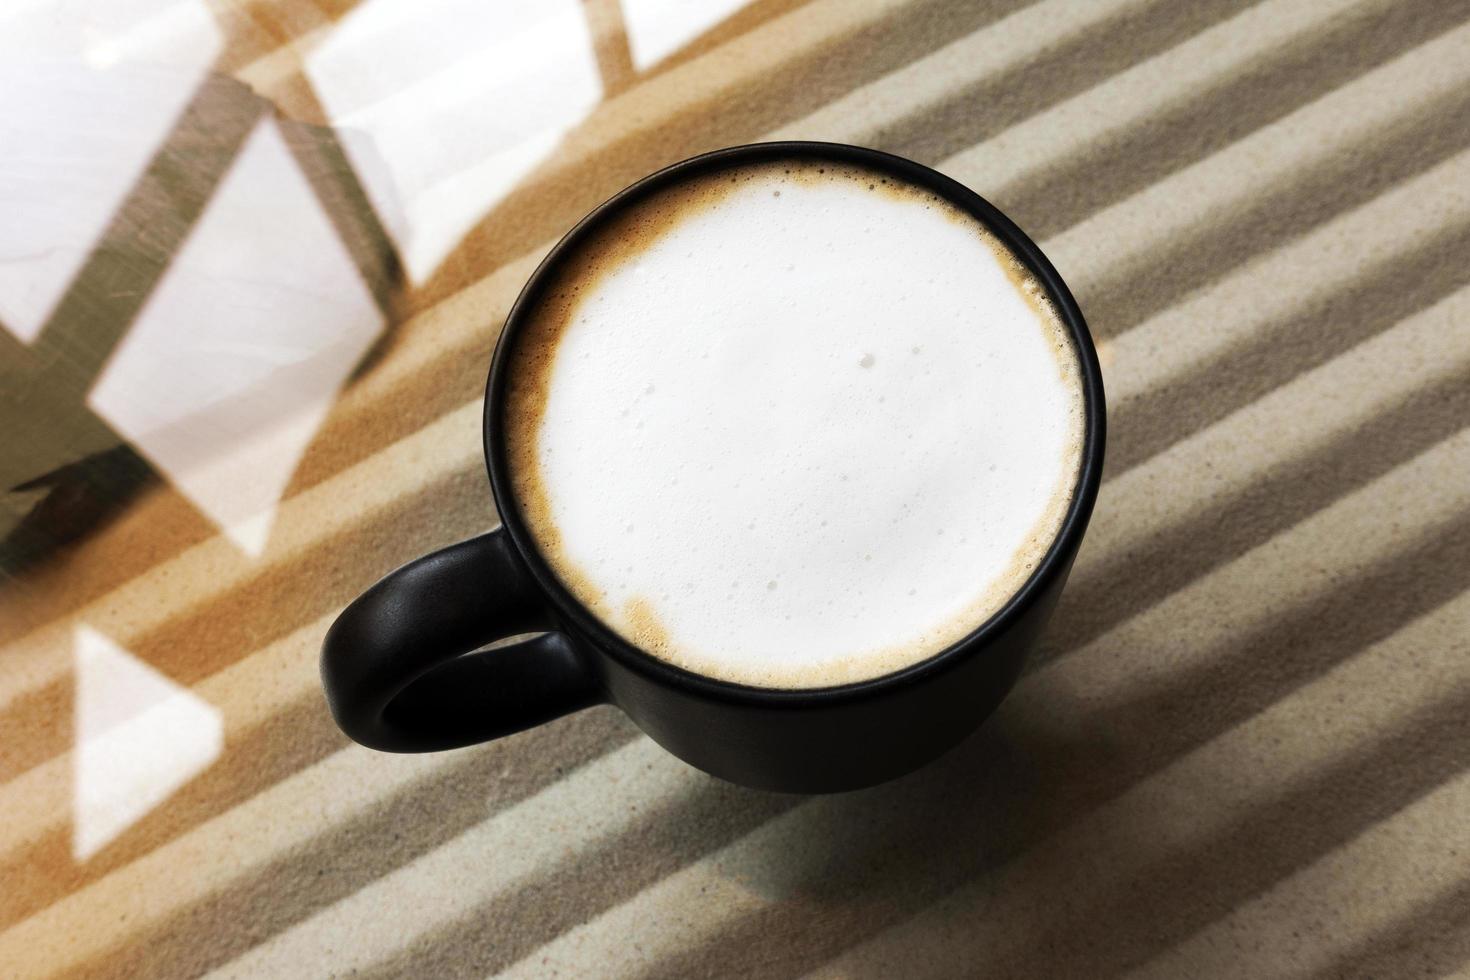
[(1052, 564)]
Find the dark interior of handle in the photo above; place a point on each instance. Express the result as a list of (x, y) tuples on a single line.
[(398, 665)]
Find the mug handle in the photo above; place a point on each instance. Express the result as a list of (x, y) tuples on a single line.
[(397, 664)]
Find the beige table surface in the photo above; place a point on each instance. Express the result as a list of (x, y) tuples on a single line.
[(1244, 747)]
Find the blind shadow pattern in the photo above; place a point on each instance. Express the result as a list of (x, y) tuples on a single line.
[(1258, 677)]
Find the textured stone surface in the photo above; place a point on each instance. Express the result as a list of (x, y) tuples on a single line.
[(1242, 749)]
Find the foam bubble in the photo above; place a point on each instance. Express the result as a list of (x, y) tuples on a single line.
[(882, 528)]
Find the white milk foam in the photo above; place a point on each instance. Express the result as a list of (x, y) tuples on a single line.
[(792, 431)]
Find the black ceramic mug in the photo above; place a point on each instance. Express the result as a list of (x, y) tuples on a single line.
[(401, 673)]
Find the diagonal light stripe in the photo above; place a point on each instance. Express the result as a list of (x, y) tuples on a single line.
[(1137, 228), (278, 821), (1172, 78), (1222, 461), (604, 798), (861, 115), (1381, 877), (1335, 544), (1298, 276)]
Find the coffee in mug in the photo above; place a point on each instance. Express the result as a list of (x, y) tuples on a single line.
[(793, 425)]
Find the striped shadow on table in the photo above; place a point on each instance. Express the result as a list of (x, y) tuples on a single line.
[(1272, 538)]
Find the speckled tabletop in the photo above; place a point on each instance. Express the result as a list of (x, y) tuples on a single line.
[(253, 261)]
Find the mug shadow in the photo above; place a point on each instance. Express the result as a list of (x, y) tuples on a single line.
[(877, 856)]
